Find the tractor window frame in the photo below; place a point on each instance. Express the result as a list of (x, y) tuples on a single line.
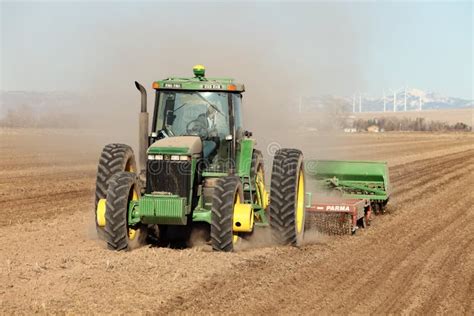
[(155, 111), (238, 121), (224, 127)]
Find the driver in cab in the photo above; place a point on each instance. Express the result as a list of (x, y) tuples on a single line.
[(208, 120)]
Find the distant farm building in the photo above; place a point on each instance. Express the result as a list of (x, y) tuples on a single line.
[(373, 129)]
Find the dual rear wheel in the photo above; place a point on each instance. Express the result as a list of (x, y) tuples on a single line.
[(287, 203), (116, 186), (114, 158), (287, 197)]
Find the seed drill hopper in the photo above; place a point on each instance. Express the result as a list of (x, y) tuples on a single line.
[(346, 193)]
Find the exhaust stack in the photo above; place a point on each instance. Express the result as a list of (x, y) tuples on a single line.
[(143, 129)]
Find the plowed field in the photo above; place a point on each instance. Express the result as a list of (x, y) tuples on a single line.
[(418, 258)]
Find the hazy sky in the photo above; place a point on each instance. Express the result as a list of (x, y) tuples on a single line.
[(309, 48)]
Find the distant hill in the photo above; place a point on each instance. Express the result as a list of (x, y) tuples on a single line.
[(414, 99)]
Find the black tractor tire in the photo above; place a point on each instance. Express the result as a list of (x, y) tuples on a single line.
[(287, 168), (119, 193), (222, 213), (113, 159)]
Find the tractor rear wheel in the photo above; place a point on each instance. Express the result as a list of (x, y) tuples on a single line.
[(227, 193), (287, 195), (123, 187), (113, 159)]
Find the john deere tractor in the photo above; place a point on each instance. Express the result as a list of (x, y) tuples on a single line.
[(197, 166)]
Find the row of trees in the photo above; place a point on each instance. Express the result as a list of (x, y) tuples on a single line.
[(409, 124)]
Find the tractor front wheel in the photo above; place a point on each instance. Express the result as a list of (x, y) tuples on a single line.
[(114, 158), (227, 193), (123, 187), (287, 195)]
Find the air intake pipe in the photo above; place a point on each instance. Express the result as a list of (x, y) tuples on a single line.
[(143, 130)]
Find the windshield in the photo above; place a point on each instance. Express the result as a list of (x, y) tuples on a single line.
[(205, 114)]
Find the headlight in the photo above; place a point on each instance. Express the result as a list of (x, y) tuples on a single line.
[(172, 157), (155, 157)]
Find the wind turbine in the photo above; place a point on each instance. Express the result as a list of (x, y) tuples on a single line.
[(395, 93), (394, 101), (405, 106)]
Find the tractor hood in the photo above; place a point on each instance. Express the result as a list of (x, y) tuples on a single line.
[(177, 145)]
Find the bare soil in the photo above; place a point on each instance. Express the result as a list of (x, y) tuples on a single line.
[(418, 258)]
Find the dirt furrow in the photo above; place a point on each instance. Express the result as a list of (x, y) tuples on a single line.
[(340, 286), (439, 243), (417, 259), (424, 167)]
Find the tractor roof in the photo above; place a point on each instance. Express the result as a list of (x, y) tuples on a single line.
[(199, 82)]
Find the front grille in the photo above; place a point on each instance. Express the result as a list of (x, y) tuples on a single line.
[(169, 176)]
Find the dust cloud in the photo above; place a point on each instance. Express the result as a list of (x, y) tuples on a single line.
[(281, 52)]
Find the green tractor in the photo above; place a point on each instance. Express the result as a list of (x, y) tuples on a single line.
[(197, 167)]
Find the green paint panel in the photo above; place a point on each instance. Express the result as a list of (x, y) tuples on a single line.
[(164, 209), (357, 179), (168, 150), (244, 157), (202, 216), (261, 217)]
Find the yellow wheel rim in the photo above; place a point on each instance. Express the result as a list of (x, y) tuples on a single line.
[(132, 233), (100, 213), (300, 203), (235, 237), (262, 193)]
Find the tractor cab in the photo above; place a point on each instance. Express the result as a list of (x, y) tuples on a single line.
[(206, 108)]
